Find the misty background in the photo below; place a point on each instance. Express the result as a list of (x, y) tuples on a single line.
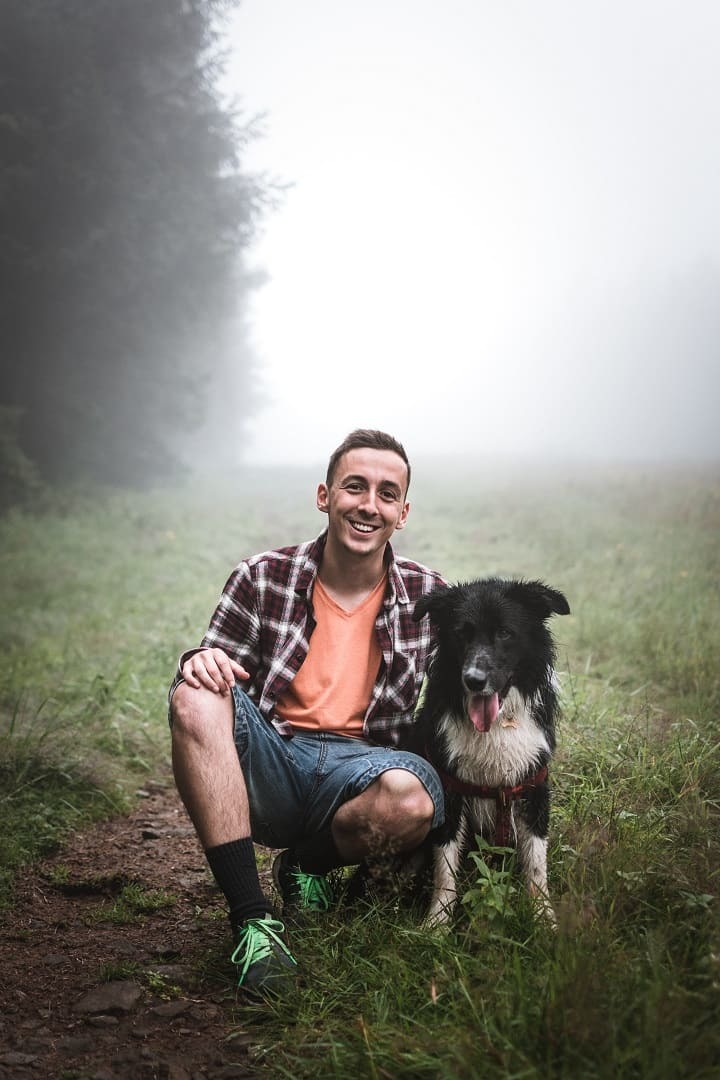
[(233, 232), (504, 232)]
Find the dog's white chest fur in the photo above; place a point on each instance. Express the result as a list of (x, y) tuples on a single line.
[(502, 756)]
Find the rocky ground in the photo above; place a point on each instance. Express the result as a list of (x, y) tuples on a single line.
[(114, 959)]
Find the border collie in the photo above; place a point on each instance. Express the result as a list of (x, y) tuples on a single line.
[(487, 724)]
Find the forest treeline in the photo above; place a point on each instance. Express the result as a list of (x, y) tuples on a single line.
[(125, 212)]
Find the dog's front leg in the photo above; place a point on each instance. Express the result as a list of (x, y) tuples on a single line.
[(532, 850), (446, 864)]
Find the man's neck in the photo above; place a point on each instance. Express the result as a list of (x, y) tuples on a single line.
[(350, 578)]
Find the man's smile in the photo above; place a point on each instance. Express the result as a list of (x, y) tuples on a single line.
[(362, 526)]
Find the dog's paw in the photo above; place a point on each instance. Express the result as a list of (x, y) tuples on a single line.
[(438, 918), (543, 909), (437, 927)]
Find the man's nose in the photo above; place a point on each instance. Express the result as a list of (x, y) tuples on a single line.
[(368, 503)]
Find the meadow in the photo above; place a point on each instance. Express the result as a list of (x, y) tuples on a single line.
[(99, 595)]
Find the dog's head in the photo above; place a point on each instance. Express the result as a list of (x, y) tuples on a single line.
[(492, 636)]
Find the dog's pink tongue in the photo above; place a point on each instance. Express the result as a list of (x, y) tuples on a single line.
[(483, 709)]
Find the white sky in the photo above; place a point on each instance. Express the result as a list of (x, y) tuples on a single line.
[(503, 234)]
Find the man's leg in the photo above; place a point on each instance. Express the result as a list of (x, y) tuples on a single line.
[(206, 766), (211, 784), (366, 800), (392, 815)]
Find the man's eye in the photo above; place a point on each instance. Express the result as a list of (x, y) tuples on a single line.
[(389, 496)]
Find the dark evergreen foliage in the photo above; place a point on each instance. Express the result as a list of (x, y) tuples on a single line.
[(124, 212)]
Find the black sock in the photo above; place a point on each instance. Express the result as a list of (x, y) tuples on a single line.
[(235, 870), (318, 854)]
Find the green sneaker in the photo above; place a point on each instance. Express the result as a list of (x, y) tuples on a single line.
[(266, 964), (300, 891)]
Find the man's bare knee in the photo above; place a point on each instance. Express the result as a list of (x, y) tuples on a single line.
[(200, 714), (408, 797), (395, 811)]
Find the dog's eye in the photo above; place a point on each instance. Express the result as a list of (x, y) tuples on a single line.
[(504, 634), (467, 631)]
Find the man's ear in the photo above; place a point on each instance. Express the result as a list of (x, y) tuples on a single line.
[(403, 516), (322, 498)]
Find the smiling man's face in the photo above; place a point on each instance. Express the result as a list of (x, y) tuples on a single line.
[(365, 502)]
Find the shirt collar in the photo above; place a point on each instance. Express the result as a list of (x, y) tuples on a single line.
[(397, 591), (313, 556)]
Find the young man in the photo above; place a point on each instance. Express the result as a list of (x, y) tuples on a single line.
[(284, 720)]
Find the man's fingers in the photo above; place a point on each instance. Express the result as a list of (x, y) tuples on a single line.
[(227, 669), (198, 676), (213, 669), (189, 675), (215, 677), (225, 674)]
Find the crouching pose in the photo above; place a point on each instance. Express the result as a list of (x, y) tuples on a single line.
[(285, 721)]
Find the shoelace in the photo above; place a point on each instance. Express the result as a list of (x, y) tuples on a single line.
[(315, 891), (258, 941)]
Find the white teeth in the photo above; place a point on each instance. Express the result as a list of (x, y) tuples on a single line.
[(361, 527)]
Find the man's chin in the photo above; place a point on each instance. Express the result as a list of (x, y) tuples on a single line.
[(365, 542)]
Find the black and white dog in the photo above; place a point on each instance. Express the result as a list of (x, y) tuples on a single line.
[(487, 724)]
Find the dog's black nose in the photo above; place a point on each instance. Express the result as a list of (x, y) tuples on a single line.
[(475, 680)]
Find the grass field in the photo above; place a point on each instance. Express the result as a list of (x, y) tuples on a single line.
[(98, 597)]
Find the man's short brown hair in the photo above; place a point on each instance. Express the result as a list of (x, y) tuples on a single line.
[(366, 439)]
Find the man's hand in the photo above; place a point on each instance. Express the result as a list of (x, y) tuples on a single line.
[(213, 669)]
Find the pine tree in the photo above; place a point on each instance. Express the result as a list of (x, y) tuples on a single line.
[(124, 215)]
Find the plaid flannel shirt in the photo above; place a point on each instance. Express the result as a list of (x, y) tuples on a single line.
[(264, 620)]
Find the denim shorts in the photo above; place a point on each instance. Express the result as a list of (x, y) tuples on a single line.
[(296, 784)]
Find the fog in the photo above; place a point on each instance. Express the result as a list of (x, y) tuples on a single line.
[(502, 231)]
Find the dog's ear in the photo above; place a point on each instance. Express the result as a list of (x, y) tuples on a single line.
[(432, 604), (540, 598)]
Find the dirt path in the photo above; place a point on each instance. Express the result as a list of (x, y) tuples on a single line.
[(93, 986)]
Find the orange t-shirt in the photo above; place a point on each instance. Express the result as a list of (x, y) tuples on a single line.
[(332, 689)]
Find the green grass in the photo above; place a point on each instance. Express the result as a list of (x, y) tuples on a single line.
[(97, 599), (132, 903)]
